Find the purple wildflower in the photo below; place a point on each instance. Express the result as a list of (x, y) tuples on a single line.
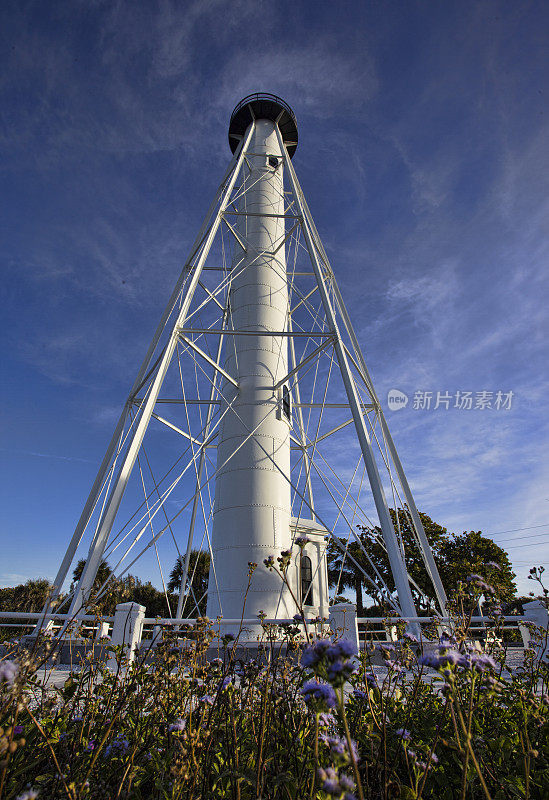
[(207, 698), (322, 693), (392, 665), (118, 745), (329, 772), (480, 584), (331, 785), (330, 660), (441, 659), (325, 720), (483, 662), (315, 652), (403, 733), (8, 671), (447, 641), (330, 781), (450, 657), (178, 725), (17, 730), (465, 660), (29, 794), (91, 746), (339, 747), (335, 784), (345, 782), (269, 562), (339, 672), (344, 648), (301, 541), (429, 660)]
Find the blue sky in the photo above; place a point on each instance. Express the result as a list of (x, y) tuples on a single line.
[(423, 154)]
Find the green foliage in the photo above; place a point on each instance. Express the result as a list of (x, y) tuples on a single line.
[(197, 581), (452, 723), (457, 556), (32, 595), (155, 601), (468, 554), (128, 589), (103, 572), (28, 596)]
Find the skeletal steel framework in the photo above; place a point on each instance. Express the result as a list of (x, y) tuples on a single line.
[(156, 480)]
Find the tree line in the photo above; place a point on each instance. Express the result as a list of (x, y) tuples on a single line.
[(457, 556)]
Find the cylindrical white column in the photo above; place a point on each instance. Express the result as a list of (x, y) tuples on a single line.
[(251, 517)]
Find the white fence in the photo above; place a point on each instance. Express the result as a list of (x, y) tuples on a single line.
[(130, 627)]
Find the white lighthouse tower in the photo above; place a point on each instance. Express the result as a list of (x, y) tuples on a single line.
[(251, 518), (256, 371)]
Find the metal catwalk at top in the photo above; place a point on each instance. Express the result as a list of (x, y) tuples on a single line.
[(255, 384)]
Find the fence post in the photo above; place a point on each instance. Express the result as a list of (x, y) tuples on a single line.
[(126, 629), (343, 623), (391, 633), (537, 612), (102, 631)]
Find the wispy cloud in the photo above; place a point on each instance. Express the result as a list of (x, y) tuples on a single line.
[(422, 146), (46, 455), (320, 74), (12, 578)]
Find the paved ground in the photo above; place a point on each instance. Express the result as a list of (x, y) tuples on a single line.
[(56, 677)]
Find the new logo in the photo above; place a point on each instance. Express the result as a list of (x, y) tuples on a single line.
[(396, 400)]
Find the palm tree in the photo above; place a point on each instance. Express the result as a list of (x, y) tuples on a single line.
[(199, 570), (343, 573), (110, 598), (32, 595), (103, 572)]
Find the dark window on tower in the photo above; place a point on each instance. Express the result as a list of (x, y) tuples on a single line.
[(286, 403), (273, 162), (306, 581)]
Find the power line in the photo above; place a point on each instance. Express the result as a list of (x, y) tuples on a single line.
[(518, 538), (529, 545), (514, 530)]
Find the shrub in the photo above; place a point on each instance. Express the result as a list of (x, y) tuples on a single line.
[(319, 722)]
